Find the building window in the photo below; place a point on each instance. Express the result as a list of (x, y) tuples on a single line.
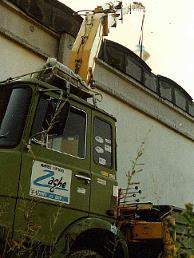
[(150, 81), (102, 143), (133, 69), (180, 99), (191, 109), (60, 127), (115, 58), (166, 90)]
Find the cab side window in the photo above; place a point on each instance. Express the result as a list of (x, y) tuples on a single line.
[(60, 127), (102, 143)]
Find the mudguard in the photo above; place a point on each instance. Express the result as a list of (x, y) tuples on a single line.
[(67, 238)]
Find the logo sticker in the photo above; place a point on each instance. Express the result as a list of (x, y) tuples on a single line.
[(101, 181), (115, 191), (99, 139), (98, 149), (50, 182)]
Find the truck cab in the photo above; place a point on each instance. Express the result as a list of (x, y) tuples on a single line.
[(57, 162)]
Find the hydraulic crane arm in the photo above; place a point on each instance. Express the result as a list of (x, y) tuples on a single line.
[(88, 42)]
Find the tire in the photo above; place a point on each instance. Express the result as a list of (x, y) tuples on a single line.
[(85, 254)]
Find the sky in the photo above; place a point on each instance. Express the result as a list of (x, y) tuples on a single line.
[(168, 36)]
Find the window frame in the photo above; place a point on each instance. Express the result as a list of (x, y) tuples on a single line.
[(85, 135), (85, 138), (112, 144)]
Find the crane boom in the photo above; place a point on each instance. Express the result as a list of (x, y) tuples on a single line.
[(87, 44), (88, 41)]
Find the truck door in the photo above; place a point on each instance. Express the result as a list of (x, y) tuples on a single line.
[(103, 186), (55, 174)]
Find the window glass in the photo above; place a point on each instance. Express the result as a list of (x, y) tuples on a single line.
[(191, 109), (150, 81), (165, 90), (132, 68), (102, 143), (60, 127), (115, 57), (180, 99), (14, 104)]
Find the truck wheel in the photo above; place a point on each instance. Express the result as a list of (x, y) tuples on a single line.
[(85, 254)]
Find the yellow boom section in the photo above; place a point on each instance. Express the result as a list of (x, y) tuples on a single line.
[(88, 41), (87, 44)]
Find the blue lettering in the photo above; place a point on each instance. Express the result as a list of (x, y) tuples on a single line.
[(39, 179), (52, 183)]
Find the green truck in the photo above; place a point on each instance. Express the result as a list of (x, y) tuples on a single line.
[(57, 162), (58, 188)]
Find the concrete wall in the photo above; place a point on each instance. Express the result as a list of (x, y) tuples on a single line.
[(168, 156), (26, 44), (16, 60)]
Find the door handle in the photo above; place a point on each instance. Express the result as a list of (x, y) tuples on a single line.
[(82, 177)]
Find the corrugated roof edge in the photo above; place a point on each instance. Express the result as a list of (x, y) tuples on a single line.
[(52, 14)]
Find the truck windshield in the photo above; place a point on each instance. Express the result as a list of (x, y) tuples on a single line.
[(14, 103)]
